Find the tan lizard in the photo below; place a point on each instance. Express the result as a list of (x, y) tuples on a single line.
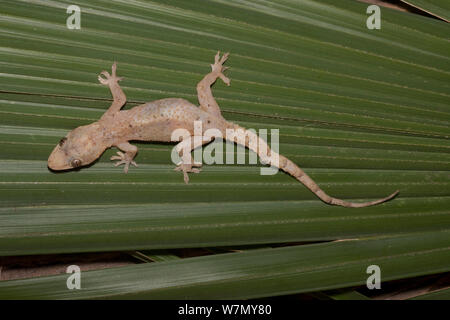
[(155, 121)]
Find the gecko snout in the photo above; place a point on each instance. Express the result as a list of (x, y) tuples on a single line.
[(58, 160)]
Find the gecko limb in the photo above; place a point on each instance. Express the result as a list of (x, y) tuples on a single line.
[(127, 157), (112, 81), (188, 168), (204, 93), (184, 149)]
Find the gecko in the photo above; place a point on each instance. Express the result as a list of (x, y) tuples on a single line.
[(155, 121)]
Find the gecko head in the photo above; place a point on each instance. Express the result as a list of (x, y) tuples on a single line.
[(79, 148)]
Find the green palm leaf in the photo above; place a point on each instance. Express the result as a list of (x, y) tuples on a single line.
[(440, 9), (364, 112), (252, 274)]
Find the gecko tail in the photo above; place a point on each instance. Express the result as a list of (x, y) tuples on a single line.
[(292, 169), (347, 204)]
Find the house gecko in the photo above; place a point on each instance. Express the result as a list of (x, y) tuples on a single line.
[(155, 121)]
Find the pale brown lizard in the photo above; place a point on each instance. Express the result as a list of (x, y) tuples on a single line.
[(157, 120)]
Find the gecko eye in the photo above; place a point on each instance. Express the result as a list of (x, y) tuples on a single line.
[(62, 141), (75, 163)]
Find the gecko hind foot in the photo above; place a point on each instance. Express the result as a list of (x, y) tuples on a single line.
[(109, 78), (123, 159), (188, 168), (219, 68)]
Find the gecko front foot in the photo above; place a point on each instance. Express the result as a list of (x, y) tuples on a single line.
[(123, 159), (218, 67), (107, 78), (188, 168)]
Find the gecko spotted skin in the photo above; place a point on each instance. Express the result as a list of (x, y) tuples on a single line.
[(156, 121)]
